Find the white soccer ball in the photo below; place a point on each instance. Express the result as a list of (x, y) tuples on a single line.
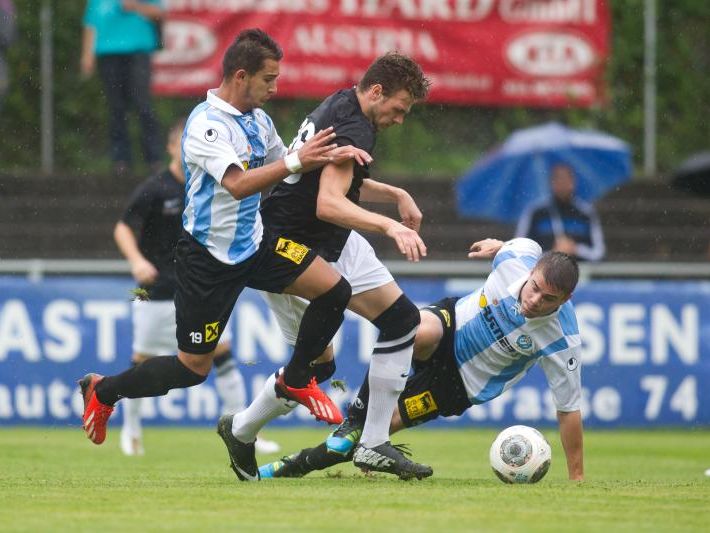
[(520, 454)]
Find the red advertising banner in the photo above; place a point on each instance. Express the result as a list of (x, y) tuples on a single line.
[(548, 53)]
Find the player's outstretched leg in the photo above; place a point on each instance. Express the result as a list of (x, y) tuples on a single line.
[(338, 448), (154, 377), (319, 323), (96, 413), (389, 458)]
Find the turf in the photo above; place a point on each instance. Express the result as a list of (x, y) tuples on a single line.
[(55, 480)]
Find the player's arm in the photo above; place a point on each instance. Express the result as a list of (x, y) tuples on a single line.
[(333, 206), (485, 249), (376, 191), (571, 435), (563, 373), (88, 56), (315, 152), (142, 270)]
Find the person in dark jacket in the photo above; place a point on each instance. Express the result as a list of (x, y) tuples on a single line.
[(563, 222)]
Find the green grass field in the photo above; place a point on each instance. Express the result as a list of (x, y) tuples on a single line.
[(56, 480)]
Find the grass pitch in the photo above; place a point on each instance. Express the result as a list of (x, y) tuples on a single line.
[(56, 480)]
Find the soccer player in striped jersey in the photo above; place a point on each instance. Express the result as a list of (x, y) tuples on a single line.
[(231, 152), (470, 350)]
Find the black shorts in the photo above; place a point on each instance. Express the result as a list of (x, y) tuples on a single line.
[(435, 389), (207, 289)]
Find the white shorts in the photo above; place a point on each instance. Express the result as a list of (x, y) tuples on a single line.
[(154, 328), (358, 264)]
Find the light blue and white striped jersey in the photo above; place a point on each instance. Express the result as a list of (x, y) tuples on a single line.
[(495, 345), (216, 136)]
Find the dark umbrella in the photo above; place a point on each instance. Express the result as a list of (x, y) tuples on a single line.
[(693, 175)]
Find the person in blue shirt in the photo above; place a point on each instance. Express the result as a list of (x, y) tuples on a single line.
[(118, 39)]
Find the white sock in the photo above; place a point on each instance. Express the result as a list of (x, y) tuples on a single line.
[(230, 387), (132, 416), (265, 407), (388, 376)]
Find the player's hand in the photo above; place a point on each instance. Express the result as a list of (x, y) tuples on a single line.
[(144, 272), (484, 249), (408, 241), (408, 210), (318, 150), (341, 154)]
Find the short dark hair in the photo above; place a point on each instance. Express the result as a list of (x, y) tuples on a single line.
[(395, 71), (559, 270), (249, 51)]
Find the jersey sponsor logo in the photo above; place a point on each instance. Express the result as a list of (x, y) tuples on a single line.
[(572, 364), (493, 326), (420, 405), (211, 331), (211, 135), (291, 250), (524, 342)]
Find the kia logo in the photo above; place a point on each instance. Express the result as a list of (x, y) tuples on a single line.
[(186, 42), (550, 54)]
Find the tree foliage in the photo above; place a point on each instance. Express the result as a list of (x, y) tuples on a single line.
[(438, 141)]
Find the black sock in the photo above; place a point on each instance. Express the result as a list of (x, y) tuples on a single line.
[(357, 410), (319, 324), (154, 377), (319, 458), (323, 371)]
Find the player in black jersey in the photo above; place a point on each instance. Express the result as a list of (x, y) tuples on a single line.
[(320, 209), (146, 235)]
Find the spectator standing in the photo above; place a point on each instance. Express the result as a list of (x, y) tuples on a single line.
[(563, 222), (118, 39), (7, 36)]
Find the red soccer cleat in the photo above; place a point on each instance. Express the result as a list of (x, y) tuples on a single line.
[(96, 414), (311, 396)]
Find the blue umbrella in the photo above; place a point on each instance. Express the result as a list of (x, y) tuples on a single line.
[(516, 174)]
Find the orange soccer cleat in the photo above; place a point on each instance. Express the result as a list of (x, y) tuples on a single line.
[(313, 397), (96, 414)]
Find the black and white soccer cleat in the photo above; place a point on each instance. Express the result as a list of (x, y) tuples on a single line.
[(390, 459)]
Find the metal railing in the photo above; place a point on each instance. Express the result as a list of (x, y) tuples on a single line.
[(38, 268)]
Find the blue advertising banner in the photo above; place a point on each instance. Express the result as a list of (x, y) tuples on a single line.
[(646, 353)]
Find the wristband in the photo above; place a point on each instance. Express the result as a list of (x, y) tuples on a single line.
[(293, 163)]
